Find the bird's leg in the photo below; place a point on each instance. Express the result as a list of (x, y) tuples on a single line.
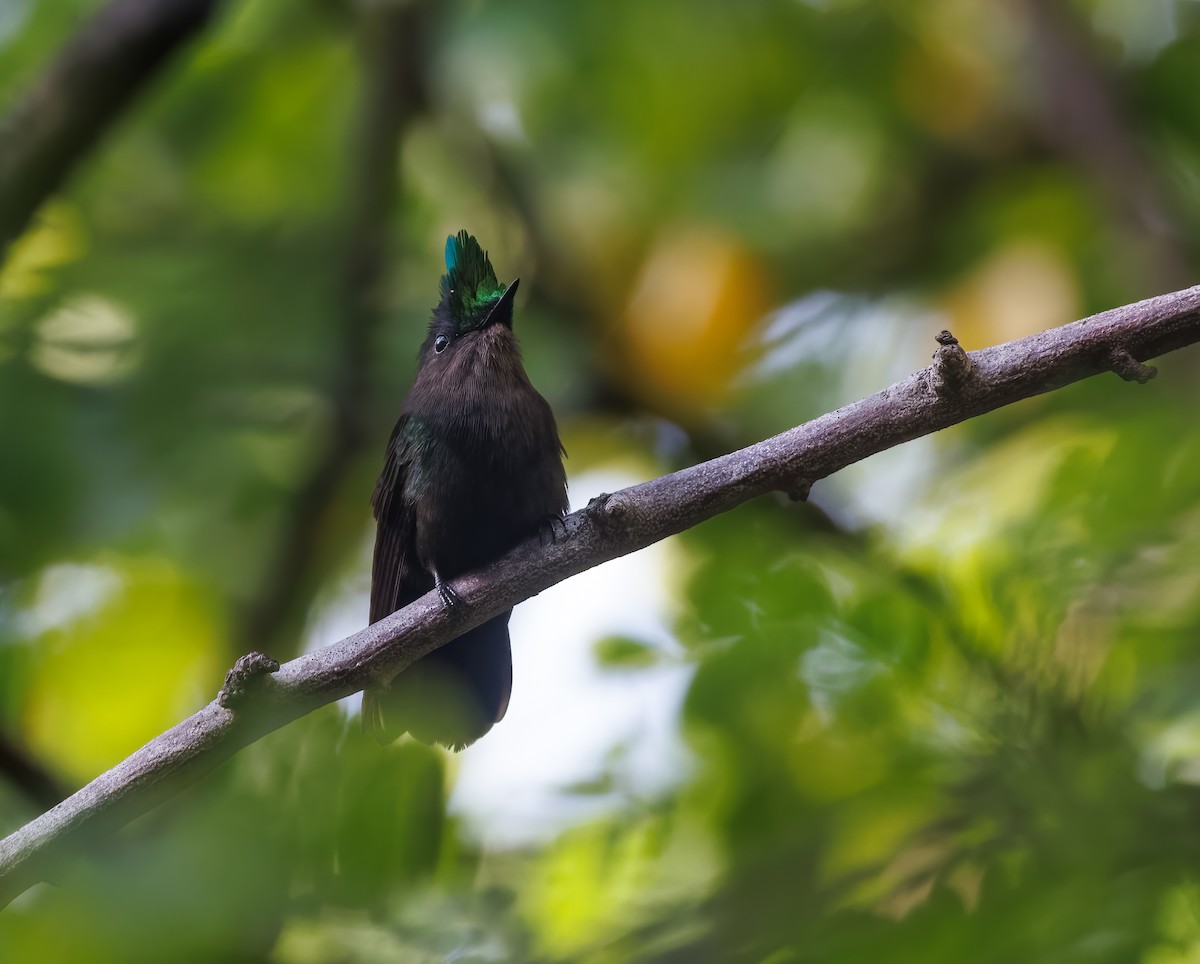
[(449, 597)]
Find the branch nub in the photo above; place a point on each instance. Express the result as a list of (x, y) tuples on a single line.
[(1129, 368), (800, 490), (952, 368), (607, 511), (246, 677)]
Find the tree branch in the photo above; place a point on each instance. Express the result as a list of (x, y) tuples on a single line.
[(956, 387), (95, 78)]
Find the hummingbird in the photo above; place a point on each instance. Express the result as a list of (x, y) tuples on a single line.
[(472, 468)]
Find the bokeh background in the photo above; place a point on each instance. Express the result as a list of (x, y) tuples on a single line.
[(945, 712)]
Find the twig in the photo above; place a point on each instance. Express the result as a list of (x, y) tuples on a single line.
[(611, 526), (95, 78), (392, 38)]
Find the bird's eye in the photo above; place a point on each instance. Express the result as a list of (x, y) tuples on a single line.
[(440, 343)]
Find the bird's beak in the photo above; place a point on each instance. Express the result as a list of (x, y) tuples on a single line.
[(502, 310)]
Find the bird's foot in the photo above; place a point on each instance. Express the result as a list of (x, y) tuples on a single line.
[(551, 530), (450, 598), (245, 677)]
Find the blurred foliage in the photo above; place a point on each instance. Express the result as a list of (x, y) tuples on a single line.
[(950, 717)]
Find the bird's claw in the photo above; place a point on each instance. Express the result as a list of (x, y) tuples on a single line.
[(553, 529), (449, 597)]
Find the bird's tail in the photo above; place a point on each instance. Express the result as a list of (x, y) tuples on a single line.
[(453, 696)]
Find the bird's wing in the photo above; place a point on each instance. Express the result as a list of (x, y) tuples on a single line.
[(395, 529)]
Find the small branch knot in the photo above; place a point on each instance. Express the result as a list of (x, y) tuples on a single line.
[(245, 678), (800, 490), (608, 511), (952, 367), (1129, 368)]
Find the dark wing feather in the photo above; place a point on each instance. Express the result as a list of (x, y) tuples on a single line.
[(392, 564), (391, 567)]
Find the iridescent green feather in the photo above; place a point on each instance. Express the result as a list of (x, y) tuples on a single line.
[(469, 284)]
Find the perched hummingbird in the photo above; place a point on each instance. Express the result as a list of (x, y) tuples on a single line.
[(473, 467)]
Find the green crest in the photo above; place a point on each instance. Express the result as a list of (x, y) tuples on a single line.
[(469, 284)]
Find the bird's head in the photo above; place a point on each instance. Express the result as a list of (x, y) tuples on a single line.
[(472, 301)]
